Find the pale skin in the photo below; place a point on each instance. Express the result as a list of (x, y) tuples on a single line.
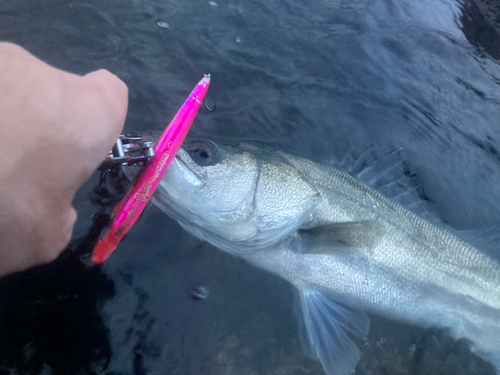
[(55, 130)]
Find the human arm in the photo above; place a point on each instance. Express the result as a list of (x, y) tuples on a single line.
[(55, 130)]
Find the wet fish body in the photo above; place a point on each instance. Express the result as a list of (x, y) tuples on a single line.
[(347, 248)]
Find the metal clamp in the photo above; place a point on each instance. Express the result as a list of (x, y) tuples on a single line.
[(128, 150)]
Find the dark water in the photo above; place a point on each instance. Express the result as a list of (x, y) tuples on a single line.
[(313, 78)]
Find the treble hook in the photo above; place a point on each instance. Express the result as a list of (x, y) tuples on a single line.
[(207, 107)]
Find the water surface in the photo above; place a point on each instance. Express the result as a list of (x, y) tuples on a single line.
[(317, 79)]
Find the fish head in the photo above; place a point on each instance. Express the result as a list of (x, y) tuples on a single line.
[(239, 198)]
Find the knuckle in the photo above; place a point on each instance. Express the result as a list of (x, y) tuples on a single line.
[(65, 230), (44, 251), (113, 93), (105, 79), (54, 236), (45, 254), (11, 48)]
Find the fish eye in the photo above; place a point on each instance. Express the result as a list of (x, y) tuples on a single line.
[(204, 153)]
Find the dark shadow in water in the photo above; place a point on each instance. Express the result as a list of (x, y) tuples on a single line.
[(49, 315), (481, 25)]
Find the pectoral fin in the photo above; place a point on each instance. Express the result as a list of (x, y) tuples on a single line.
[(329, 329), (326, 239)]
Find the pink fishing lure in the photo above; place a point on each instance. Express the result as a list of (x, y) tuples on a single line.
[(128, 210)]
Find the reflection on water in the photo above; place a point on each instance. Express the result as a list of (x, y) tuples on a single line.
[(316, 80)]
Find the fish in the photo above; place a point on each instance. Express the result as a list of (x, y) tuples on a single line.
[(348, 249)]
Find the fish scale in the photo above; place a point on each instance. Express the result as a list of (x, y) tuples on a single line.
[(443, 253), (347, 248)]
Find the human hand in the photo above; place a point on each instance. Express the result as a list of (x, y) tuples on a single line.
[(56, 128)]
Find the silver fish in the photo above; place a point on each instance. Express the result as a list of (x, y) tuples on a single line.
[(344, 246)]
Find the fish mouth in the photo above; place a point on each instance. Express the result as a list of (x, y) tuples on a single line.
[(181, 177)]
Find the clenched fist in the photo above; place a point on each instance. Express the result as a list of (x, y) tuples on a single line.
[(55, 130)]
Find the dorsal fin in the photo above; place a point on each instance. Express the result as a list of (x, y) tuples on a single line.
[(389, 174)]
